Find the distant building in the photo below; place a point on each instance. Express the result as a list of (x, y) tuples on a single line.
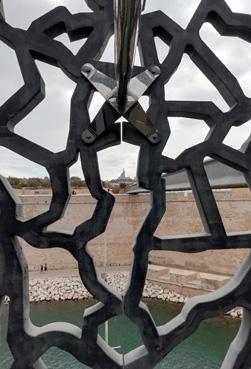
[(123, 178)]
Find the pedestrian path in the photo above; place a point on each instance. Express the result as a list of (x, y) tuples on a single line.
[(51, 273)]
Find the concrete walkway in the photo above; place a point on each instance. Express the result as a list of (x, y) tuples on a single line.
[(184, 282), (72, 272)]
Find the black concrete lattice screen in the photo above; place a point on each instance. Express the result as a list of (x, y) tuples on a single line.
[(27, 342)]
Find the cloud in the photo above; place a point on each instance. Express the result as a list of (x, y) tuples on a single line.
[(8, 67), (178, 10), (194, 131), (112, 161), (234, 52), (15, 165), (21, 13), (48, 124), (240, 6), (195, 86)]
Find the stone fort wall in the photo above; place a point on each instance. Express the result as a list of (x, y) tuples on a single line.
[(181, 217)]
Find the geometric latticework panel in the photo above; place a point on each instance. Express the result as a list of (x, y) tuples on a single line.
[(27, 342)]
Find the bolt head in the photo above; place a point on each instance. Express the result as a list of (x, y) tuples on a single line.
[(87, 69), (155, 70)]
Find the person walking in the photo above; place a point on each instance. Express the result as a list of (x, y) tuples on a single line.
[(45, 268), (41, 269)]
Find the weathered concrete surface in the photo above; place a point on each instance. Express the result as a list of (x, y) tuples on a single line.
[(186, 282), (181, 218)]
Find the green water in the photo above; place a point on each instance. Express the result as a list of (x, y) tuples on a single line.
[(205, 349)]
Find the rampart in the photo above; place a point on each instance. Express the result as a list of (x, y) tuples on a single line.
[(182, 217)]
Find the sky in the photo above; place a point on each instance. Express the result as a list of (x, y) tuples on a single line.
[(50, 119)]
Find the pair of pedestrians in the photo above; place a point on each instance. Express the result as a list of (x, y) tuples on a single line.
[(44, 268)]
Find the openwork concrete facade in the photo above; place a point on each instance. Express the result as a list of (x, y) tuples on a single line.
[(27, 342)]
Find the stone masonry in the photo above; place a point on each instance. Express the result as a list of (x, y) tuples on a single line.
[(181, 218)]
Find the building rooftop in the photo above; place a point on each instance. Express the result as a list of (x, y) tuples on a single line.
[(220, 176)]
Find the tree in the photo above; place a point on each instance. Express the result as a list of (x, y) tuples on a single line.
[(76, 182)]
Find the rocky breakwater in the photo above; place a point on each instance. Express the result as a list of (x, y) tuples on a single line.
[(57, 289), (71, 288)]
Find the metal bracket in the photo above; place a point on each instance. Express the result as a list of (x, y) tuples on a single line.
[(102, 83), (108, 88)]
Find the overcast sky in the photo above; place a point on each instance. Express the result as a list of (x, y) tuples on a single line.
[(48, 124)]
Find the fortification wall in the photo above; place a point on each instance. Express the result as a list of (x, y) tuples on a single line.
[(181, 217)]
